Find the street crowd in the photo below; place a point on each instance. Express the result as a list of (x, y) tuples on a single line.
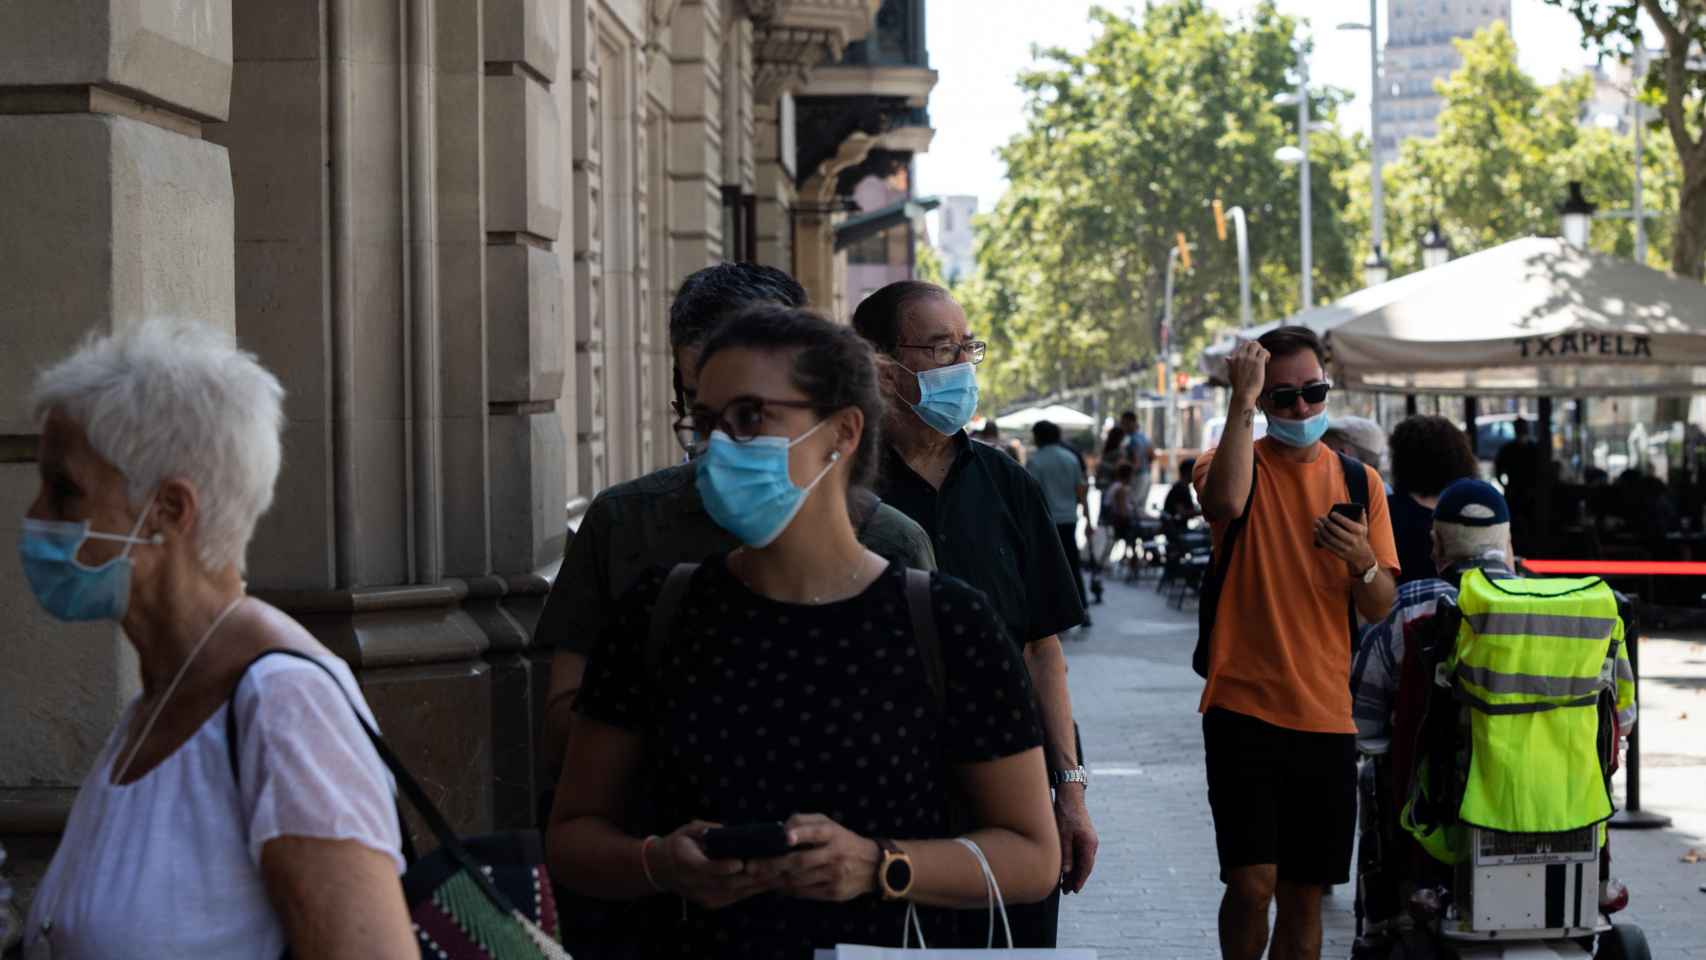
[(808, 685)]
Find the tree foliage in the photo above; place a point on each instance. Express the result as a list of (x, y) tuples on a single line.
[(1124, 146), (1497, 168), (1678, 85)]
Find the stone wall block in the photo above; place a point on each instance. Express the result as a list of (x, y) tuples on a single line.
[(293, 547), (104, 221), (177, 53), (525, 313), (523, 168), (529, 465), (524, 31)]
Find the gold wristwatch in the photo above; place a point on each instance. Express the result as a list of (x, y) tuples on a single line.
[(894, 871)]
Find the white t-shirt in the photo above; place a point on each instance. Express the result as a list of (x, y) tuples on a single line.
[(169, 866)]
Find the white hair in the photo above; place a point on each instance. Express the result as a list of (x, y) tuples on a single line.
[(168, 399), (1462, 542), (1363, 434)]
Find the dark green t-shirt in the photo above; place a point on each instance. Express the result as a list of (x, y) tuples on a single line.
[(659, 520)]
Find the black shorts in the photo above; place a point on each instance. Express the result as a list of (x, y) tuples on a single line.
[(1279, 796)]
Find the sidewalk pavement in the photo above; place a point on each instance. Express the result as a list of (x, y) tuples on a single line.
[(1156, 891)]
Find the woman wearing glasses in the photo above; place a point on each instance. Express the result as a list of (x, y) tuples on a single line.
[(789, 686)]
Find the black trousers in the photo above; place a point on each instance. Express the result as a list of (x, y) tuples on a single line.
[(1069, 541)]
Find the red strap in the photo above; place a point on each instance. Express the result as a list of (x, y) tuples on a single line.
[(1612, 568)]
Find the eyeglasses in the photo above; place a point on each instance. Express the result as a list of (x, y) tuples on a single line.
[(1282, 397), (741, 418), (949, 353)]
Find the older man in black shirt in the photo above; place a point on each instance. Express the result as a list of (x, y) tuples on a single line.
[(990, 527)]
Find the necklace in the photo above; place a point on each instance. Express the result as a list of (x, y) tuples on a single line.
[(173, 686), (815, 599)]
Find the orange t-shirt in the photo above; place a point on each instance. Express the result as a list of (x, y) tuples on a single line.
[(1280, 651)]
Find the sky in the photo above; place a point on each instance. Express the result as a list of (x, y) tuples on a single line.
[(978, 47)]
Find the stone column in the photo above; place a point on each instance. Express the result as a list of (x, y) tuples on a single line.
[(115, 209)]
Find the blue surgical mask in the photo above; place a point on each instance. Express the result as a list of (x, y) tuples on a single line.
[(1298, 433), (746, 486), (67, 588), (947, 397)]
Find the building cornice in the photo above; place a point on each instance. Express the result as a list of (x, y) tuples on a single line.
[(791, 37), (912, 83)]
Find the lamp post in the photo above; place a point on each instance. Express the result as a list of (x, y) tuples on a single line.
[(1435, 250), (1375, 268), (1576, 214), (1299, 155), (1237, 215)]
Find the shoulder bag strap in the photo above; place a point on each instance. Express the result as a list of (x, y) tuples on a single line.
[(924, 634), (664, 612)]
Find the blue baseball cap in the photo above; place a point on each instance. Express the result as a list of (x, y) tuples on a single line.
[(1472, 503)]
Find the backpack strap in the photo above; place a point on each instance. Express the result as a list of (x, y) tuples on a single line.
[(664, 612), (1356, 484), (1208, 594), (924, 633)]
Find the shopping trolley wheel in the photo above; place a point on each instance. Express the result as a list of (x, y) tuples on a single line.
[(1623, 941)]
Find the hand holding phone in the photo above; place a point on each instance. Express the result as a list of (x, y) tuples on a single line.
[(750, 841), (1354, 512)]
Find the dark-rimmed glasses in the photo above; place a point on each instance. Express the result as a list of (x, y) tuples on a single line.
[(946, 353), (1312, 393), (741, 418)]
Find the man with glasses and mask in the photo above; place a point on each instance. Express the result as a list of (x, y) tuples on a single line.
[(1277, 729), (660, 520), (990, 527)]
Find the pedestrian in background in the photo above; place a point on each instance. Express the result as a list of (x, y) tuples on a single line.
[(1060, 474), (1140, 453), (159, 451), (1277, 729), (1359, 438), (990, 527), (716, 722), (1429, 453)]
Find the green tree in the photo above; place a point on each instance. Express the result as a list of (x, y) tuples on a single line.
[(927, 263), (1495, 171), (1124, 146), (1677, 84)]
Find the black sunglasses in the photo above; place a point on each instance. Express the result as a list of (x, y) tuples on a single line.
[(1282, 397)]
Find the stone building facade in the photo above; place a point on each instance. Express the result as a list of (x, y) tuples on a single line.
[(452, 228)]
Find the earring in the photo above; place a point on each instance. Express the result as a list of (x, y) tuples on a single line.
[(834, 455)]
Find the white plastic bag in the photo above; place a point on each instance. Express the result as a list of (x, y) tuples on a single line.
[(845, 951)]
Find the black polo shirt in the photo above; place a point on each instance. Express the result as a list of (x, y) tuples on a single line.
[(991, 528)]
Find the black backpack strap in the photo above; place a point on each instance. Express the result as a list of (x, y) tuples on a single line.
[(1356, 484), (929, 642), (664, 612), (1356, 480), (1208, 594)]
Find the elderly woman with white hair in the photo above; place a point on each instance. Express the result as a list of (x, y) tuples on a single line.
[(159, 450)]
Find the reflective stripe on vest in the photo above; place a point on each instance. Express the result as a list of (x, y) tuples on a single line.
[(1530, 664)]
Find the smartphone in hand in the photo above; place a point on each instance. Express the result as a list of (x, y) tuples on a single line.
[(1353, 512), (751, 841)]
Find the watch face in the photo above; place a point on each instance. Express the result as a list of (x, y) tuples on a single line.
[(899, 875)]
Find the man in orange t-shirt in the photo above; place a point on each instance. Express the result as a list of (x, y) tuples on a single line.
[(1277, 727)]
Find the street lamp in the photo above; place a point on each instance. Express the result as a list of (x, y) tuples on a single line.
[(1435, 250), (1298, 155), (1577, 214), (1375, 270)]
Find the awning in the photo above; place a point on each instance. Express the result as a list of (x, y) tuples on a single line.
[(1530, 317), (1063, 417)]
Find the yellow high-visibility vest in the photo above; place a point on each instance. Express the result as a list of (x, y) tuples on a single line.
[(1532, 657)]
